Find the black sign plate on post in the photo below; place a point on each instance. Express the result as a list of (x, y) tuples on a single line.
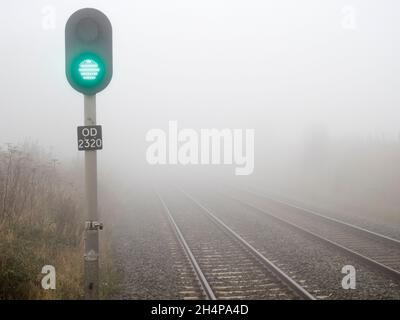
[(90, 138)]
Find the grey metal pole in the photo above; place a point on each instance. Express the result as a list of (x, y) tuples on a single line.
[(91, 257)]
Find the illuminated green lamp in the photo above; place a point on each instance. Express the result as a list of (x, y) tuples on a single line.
[(88, 70)]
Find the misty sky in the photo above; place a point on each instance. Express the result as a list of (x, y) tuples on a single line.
[(276, 66)]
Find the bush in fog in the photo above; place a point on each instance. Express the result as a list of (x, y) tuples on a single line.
[(40, 223)]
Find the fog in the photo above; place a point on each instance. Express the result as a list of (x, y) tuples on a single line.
[(317, 81)]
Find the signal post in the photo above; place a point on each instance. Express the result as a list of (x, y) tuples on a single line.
[(89, 68)]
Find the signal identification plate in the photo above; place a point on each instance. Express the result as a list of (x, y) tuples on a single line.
[(90, 138)]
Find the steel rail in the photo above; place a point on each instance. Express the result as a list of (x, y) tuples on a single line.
[(370, 233), (371, 262), (200, 275), (271, 267)]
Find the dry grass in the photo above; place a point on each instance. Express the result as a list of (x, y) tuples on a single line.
[(41, 223)]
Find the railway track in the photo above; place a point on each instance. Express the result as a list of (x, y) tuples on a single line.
[(378, 251), (226, 265)]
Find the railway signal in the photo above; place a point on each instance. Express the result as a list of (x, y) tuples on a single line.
[(89, 69), (88, 51)]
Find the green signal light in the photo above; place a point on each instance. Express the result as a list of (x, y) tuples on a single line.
[(88, 70)]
